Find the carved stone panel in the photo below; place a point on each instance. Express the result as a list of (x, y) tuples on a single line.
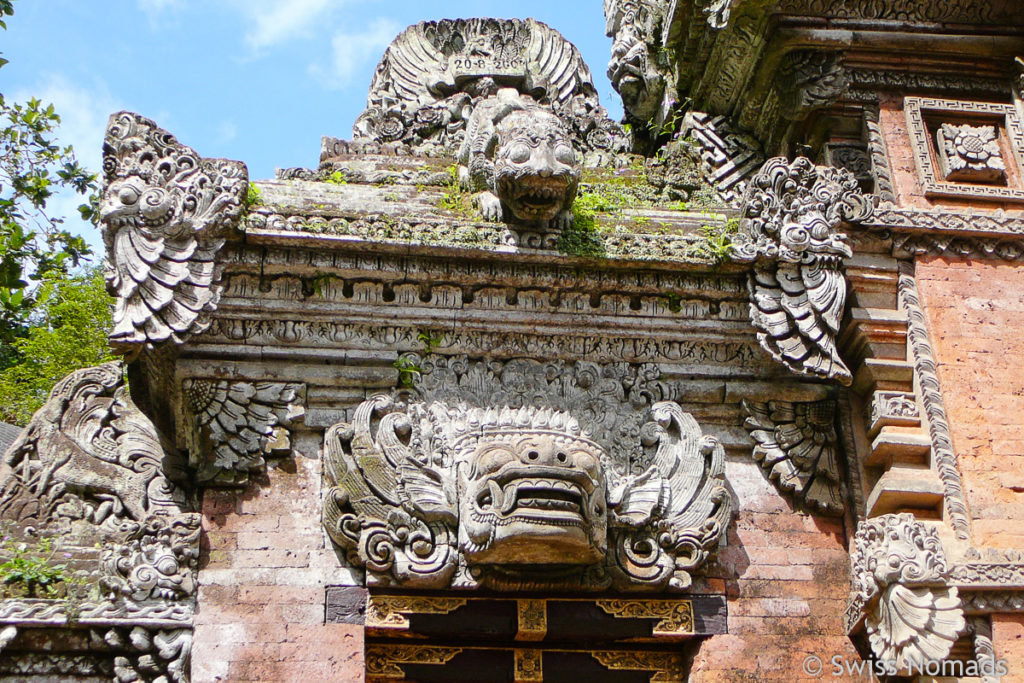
[(506, 494), (165, 212)]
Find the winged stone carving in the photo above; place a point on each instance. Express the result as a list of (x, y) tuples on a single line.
[(434, 74), (432, 494), (165, 211), (791, 214), (796, 445), (899, 588)]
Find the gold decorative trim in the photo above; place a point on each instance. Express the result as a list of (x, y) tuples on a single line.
[(529, 665), (676, 615), (667, 667), (532, 619), (382, 661), (388, 611)]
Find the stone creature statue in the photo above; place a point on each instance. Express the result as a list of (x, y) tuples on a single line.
[(519, 158), (89, 440)]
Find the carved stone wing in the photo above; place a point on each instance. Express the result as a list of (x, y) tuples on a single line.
[(792, 211), (164, 211), (796, 445), (685, 490), (389, 506)]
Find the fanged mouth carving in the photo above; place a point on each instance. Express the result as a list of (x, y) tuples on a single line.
[(534, 498), (536, 196)]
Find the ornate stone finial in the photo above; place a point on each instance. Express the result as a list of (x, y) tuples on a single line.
[(899, 575), (165, 211), (796, 445), (636, 73), (434, 75), (791, 214), (519, 157), (433, 494)]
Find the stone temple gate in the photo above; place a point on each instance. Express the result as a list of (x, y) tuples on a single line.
[(504, 390)]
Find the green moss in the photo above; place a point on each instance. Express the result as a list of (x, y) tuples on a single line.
[(455, 198), (336, 178), (253, 197), (716, 241)]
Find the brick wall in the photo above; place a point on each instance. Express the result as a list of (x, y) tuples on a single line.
[(975, 312), (786, 575), (262, 574)]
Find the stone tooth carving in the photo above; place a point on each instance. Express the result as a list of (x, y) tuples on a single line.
[(515, 497), (519, 157), (234, 424), (434, 74), (88, 454), (796, 445), (635, 70), (165, 211), (970, 153), (791, 213), (899, 587)]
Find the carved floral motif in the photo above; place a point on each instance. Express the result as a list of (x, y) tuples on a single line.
[(165, 211), (791, 214), (899, 587), (970, 153)]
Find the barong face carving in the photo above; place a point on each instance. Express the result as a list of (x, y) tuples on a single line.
[(520, 159), (432, 494)]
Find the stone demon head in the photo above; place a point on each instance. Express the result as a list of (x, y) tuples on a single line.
[(632, 69), (531, 490), (519, 157), (432, 495)]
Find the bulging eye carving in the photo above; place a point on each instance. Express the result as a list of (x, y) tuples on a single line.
[(128, 195), (518, 153), (565, 155)]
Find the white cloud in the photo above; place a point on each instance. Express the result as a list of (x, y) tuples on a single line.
[(156, 10), (84, 110), (350, 51), (226, 131), (272, 22)]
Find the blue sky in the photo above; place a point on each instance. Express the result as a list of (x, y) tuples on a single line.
[(255, 80)]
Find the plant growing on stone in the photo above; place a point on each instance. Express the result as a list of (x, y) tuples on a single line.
[(33, 567)]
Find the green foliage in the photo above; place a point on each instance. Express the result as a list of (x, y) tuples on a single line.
[(455, 198), (336, 178), (253, 197), (33, 243), (408, 371), (583, 238), (68, 330), (716, 241), (32, 567)]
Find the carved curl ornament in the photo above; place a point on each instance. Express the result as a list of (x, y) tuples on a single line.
[(432, 494), (791, 214), (165, 211), (899, 589)]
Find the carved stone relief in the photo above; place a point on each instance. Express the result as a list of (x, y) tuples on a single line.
[(970, 160), (729, 157), (165, 211), (434, 74), (89, 470), (970, 153), (482, 481), (797, 446), (791, 215), (900, 579), (233, 425), (639, 68)]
